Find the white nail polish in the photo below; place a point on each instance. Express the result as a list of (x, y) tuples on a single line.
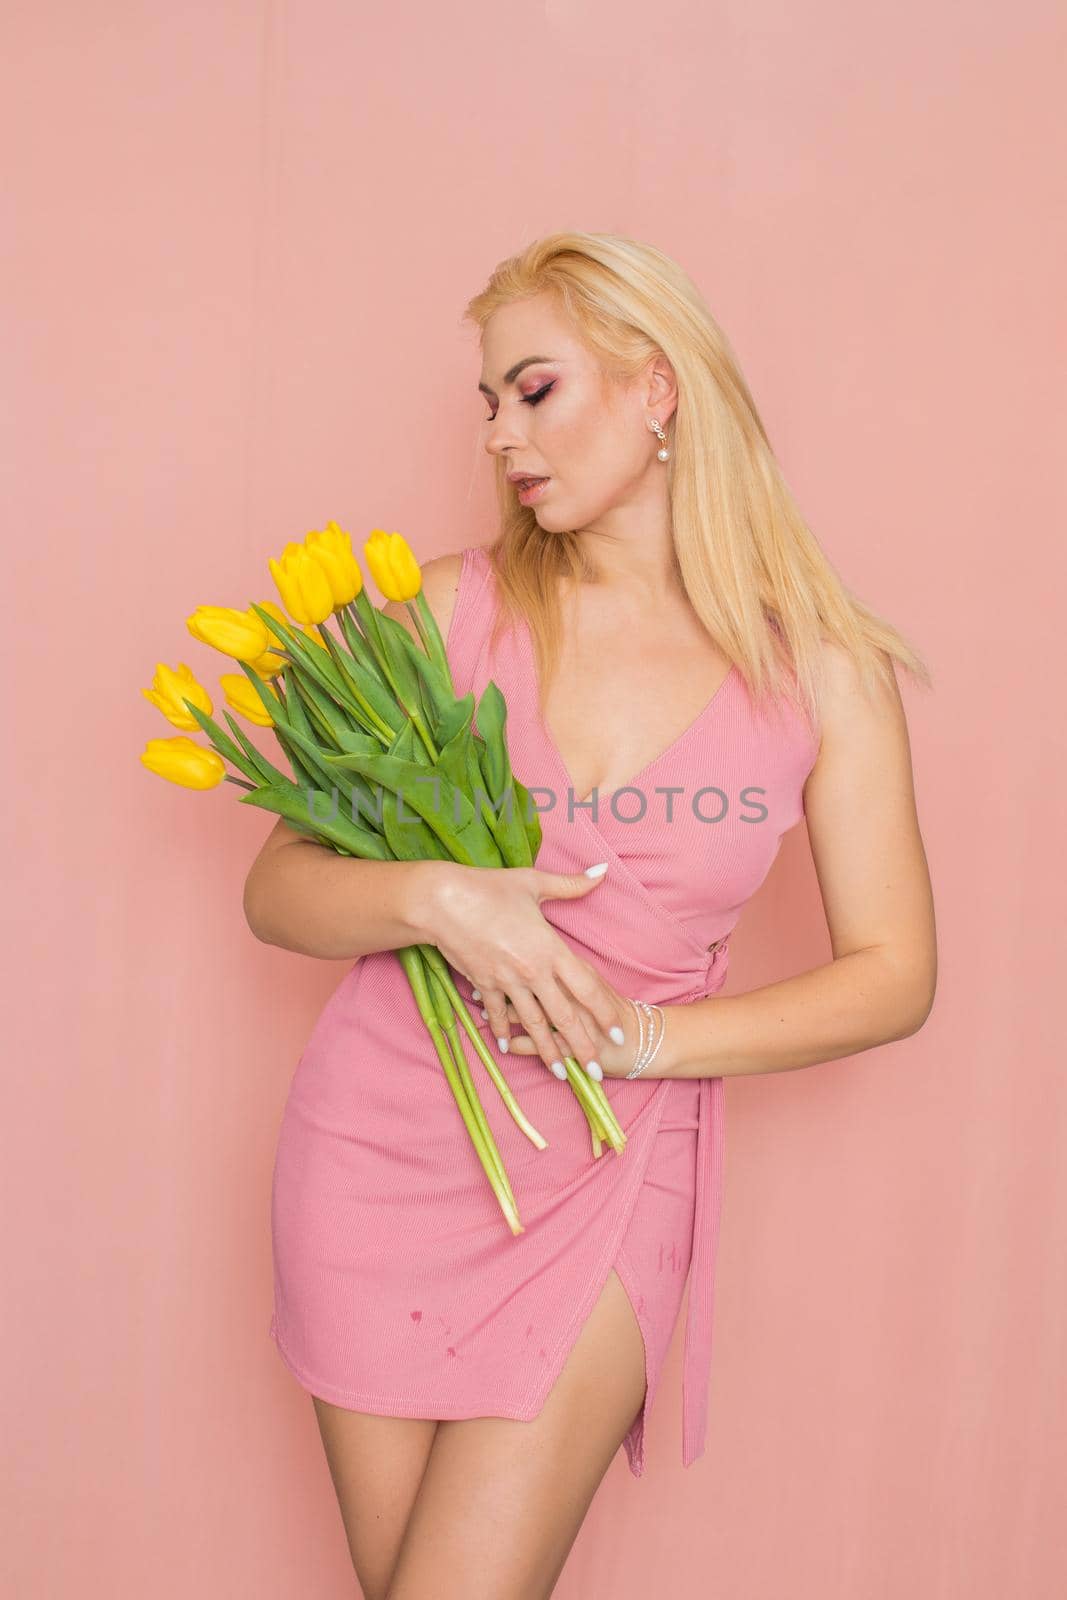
[(503, 1043), (485, 1015), (595, 1070), (597, 871), (558, 1068), (476, 994), (617, 1036)]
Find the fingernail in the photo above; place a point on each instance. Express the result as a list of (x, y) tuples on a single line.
[(558, 1068), (597, 871), (595, 1070), (503, 1043), (617, 1036), (476, 994), (485, 1016)]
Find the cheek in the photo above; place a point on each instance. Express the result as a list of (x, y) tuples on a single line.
[(572, 432)]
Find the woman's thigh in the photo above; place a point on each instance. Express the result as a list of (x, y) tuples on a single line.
[(501, 1502), (376, 1464)]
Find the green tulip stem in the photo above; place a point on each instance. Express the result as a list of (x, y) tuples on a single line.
[(412, 963), (437, 964), (485, 1155), (592, 1096), (594, 1129), (415, 718), (376, 644), (448, 1022), (382, 729), (519, 1116), (413, 613), (240, 782), (372, 634), (430, 634)]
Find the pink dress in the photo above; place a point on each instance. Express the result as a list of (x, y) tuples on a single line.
[(398, 1287)]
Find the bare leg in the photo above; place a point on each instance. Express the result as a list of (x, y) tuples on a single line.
[(501, 1502), (376, 1464)]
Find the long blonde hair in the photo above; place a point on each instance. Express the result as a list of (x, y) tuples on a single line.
[(747, 560)]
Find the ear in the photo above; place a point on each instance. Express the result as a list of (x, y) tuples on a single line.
[(662, 387)]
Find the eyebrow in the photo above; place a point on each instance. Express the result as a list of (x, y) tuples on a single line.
[(512, 373)]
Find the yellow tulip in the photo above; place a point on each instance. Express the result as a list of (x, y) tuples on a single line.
[(235, 633), (182, 761), (316, 638), (331, 547), (393, 567), (269, 664), (302, 584), (241, 696), (276, 611), (171, 689)]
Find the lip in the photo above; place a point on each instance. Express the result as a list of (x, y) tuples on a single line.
[(528, 496), (516, 477)]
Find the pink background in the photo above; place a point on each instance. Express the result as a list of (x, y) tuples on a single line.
[(239, 241)]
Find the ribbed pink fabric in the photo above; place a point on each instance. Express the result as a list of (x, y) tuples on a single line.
[(398, 1287)]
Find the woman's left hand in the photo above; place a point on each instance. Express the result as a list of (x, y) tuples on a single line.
[(616, 1059)]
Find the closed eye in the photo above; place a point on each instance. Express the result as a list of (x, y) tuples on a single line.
[(529, 399)]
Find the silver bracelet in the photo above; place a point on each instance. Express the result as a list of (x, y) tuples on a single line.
[(657, 1027)]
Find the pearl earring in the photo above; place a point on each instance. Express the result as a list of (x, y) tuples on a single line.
[(662, 454)]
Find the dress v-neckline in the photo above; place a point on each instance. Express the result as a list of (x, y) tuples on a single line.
[(671, 749)]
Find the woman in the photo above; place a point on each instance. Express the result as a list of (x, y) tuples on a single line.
[(686, 677)]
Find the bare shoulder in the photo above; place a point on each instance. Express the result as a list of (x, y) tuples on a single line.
[(853, 712), (859, 801), (440, 585), (864, 749)]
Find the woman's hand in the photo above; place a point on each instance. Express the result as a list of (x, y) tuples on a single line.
[(487, 924), (616, 1059)]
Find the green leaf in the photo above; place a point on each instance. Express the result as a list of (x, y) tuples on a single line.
[(455, 740), (330, 716), (519, 832), (457, 716), (272, 703), (325, 821), (437, 653), (396, 641), (431, 796), (358, 645), (363, 682), (437, 690), (296, 710), (491, 717), (315, 759), (314, 661), (410, 838), (269, 773), (356, 742), (319, 720), (224, 744), (302, 774), (370, 616)]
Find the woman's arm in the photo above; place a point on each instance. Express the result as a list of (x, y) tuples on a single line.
[(303, 896), (859, 802)]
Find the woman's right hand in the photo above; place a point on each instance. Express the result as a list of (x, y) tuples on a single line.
[(487, 924)]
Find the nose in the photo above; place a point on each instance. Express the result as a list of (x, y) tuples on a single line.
[(501, 435)]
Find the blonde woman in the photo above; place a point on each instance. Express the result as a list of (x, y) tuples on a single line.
[(686, 678)]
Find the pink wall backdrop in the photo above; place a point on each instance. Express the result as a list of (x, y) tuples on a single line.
[(238, 240)]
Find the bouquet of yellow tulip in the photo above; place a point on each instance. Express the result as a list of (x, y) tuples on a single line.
[(366, 713)]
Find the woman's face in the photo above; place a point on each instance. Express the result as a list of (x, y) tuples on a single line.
[(558, 417)]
